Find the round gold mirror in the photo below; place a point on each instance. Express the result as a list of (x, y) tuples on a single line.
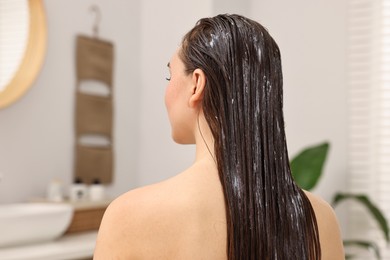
[(20, 70)]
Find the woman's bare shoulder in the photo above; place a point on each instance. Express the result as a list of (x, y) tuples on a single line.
[(121, 223), (142, 220), (330, 235)]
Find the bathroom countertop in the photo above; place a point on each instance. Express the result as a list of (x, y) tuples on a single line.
[(73, 246), (78, 204)]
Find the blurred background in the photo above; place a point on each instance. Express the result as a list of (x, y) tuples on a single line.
[(317, 43)]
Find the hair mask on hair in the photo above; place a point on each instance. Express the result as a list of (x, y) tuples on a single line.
[(268, 216)]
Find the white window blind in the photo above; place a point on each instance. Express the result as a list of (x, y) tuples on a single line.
[(369, 113), (14, 22)]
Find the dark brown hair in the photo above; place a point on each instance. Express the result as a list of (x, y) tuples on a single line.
[(268, 215)]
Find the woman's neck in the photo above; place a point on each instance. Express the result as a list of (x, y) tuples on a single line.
[(204, 140)]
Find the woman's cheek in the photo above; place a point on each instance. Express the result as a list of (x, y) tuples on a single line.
[(170, 96)]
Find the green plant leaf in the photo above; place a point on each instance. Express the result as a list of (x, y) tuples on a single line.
[(368, 245), (307, 166), (372, 208)]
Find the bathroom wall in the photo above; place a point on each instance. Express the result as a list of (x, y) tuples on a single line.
[(36, 133)]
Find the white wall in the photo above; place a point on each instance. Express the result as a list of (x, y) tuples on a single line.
[(242, 7), (36, 133)]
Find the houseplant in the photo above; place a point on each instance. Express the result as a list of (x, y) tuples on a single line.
[(307, 167)]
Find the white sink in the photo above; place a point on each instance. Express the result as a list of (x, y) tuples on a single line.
[(26, 223)]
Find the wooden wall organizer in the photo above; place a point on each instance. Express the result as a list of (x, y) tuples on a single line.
[(94, 112)]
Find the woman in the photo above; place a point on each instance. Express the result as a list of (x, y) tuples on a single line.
[(238, 200)]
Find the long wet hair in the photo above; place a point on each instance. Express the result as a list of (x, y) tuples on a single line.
[(268, 215)]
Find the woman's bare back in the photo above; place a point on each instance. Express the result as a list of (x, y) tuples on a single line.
[(184, 218)]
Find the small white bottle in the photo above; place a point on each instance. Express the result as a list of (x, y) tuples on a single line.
[(54, 191), (96, 191), (78, 191)]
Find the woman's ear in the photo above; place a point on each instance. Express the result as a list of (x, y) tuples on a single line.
[(198, 85)]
